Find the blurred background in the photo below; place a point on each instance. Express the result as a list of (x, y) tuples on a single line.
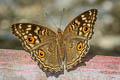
[(105, 41)]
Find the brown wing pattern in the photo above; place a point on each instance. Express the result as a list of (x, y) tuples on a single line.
[(45, 46), (41, 43), (76, 36), (27, 31), (82, 25)]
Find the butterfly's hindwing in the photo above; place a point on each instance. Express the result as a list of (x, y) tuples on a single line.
[(75, 50), (47, 57)]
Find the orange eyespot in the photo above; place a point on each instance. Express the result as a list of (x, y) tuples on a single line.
[(79, 46), (30, 39), (41, 53), (85, 29)]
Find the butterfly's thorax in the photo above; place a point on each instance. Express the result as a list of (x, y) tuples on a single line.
[(60, 44)]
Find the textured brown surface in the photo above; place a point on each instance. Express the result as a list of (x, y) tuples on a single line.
[(18, 65)]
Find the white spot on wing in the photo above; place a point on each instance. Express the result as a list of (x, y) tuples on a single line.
[(27, 32), (31, 45), (36, 30), (86, 35), (25, 36), (17, 32), (80, 33), (76, 21), (37, 41), (85, 20), (35, 37), (90, 35), (84, 24), (94, 14), (28, 28), (80, 28), (89, 21), (23, 33), (82, 16), (88, 25), (90, 13), (93, 18), (72, 26), (43, 32), (30, 34), (20, 26)]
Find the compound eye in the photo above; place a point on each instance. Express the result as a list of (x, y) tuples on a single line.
[(79, 46), (85, 29), (41, 53), (30, 39)]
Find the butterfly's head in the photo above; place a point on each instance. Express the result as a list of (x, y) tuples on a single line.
[(59, 31)]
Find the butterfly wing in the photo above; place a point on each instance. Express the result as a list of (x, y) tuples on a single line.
[(41, 43), (76, 36)]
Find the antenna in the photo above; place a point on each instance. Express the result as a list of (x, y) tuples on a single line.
[(61, 18), (46, 15)]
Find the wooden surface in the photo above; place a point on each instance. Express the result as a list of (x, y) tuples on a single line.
[(18, 65)]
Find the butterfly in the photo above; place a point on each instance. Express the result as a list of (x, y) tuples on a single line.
[(52, 51)]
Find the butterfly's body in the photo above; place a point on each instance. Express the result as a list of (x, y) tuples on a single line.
[(52, 51), (60, 43)]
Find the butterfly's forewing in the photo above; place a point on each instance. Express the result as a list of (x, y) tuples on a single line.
[(41, 43), (76, 36)]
